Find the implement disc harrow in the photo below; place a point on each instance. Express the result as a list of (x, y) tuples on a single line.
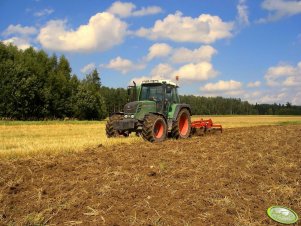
[(200, 127)]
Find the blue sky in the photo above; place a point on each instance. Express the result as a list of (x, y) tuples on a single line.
[(238, 48)]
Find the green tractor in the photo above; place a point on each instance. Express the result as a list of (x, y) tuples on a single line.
[(154, 112)]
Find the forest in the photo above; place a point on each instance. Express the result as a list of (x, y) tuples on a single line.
[(36, 86)]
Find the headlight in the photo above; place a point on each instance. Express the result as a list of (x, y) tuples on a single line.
[(126, 116), (132, 116)]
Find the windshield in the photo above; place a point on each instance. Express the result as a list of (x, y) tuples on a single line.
[(152, 92)]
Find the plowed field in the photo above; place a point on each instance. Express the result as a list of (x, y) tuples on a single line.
[(219, 179)]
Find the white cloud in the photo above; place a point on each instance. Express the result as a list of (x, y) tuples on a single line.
[(279, 9), (270, 96), (283, 85), (189, 72), (151, 10), (243, 13), (102, 32), (162, 71), (19, 30), (88, 68), (196, 72), (127, 9), (43, 12), (181, 55), (123, 65), (122, 9), (20, 36), (253, 95), (284, 74), (138, 80), (274, 98), (222, 86), (21, 43), (254, 84), (297, 99), (176, 27), (231, 88), (158, 50), (184, 55)]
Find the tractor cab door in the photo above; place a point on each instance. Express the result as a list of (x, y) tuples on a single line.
[(171, 98)]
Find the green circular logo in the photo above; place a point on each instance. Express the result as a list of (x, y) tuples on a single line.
[(282, 214)]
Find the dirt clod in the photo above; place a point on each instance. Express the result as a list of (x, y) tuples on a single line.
[(152, 173)]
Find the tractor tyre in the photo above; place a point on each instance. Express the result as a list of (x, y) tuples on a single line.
[(182, 126), (154, 128), (110, 131)]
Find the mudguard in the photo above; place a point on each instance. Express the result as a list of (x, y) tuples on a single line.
[(179, 107)]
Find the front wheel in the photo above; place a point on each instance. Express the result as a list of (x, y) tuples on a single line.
[(154, 128), (110, 131), (182, 126)]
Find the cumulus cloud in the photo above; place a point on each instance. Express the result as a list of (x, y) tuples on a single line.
[(184, 55), (242, 13), (158, 50), (88, 68), (43, 12), (128, 9), (122, 9), (280, 8), (151, 10), (189, 72), (181, 55), (283, 85), (138, 80), (297, 99), (20, 36), (222, 86), (196, 72), (229, 88), (284, 75), (254, 84), (273, 98), (21, 43), (19, 30), (102, 32), (123, 65), (176, 27), (162, 71)]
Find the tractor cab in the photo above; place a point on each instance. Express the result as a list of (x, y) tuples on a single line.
[(162, 92), (159, 90)]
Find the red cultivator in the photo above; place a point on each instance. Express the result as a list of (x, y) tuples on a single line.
[(200, 127)]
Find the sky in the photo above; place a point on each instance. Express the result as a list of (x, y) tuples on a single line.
[(236, 48)]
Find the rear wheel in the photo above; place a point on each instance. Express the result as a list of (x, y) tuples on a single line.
[(154, 128), (182, 126), (110, 131)]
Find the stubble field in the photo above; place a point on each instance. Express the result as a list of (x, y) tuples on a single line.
[(219, 179), (19, 138)]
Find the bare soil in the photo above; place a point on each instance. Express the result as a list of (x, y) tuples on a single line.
[(220, 179)]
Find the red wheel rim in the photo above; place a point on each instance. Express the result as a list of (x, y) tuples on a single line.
[(159, 129), (183, 124)]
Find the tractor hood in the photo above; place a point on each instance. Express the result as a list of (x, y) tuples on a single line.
[(139, 108), (131, 107), (136, 106)]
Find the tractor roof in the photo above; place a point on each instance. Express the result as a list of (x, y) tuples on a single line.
[(158, 81)]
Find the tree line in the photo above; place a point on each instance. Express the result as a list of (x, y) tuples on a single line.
[(235, 106), (36, 86)]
